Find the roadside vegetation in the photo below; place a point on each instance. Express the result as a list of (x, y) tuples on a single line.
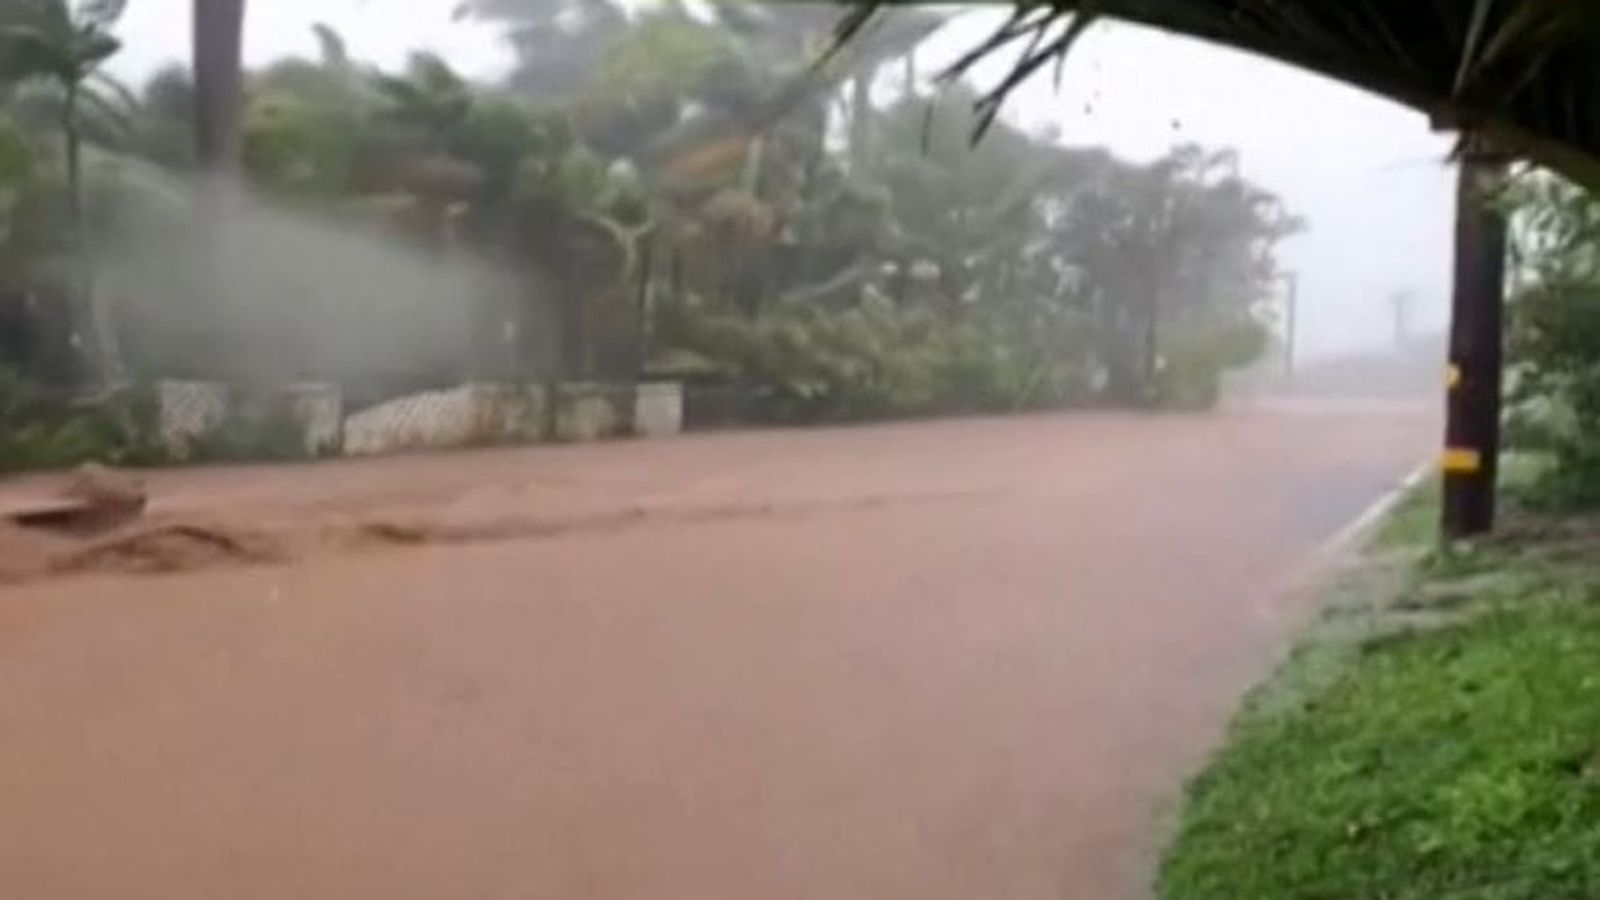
[(652, 191), (1436, 736), (1437, 733)]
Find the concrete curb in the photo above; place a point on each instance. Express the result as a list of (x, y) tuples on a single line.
[(1297, 590), (1345, 538)]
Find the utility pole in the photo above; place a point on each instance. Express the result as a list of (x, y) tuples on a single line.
[(1472, 424)]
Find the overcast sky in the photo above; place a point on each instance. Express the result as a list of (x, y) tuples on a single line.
[(1367, 173)]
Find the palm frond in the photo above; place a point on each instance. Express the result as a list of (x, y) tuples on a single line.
[(28, 52), (1527, 71), (103, 118), (101, 13), (331, 45), (116, 91)]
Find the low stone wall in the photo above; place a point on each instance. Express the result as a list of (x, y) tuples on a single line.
[(658, 409), (191, 413), (591, 412), (479, 414), (188, 411), (470, 415)]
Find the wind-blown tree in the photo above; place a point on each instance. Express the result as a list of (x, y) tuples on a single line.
[(696, 169), (963, 211), (63, 45), (163, 132), (557, 42), (1176, 258), (20, 235), (726, 114), (305, 120), (970, 234), (1165, 266)]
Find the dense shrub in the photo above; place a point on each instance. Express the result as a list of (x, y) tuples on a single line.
[(1554, 372), (253, 436), (876, 360), (42, 429), (1194, 360)]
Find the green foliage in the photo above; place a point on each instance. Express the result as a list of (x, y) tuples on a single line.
[(278, 143), (51, 52), (875, 360), (641, 83), (1447, 744), (1457, 764), (1414, 523), (1554, 389), (688, 160), (252, 435), (56, 39), (55, 49), (40, 429), (1174, 256), (17, 164), (1196, 358), (163, 131), (428, 103)]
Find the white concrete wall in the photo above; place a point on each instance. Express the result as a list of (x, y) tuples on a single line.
[(465, 416), (470, 415), (658, 409)]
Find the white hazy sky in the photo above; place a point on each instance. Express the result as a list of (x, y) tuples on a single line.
[(1367, 173)]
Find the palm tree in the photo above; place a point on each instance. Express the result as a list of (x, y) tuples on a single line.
[(218, 132), (218, 80), (64, 44)]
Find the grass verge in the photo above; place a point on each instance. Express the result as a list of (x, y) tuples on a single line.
[(1436, 735)]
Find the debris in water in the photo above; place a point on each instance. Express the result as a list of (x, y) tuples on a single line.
[(95, 500), (171, 547)]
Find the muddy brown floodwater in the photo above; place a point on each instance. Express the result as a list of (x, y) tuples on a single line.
[(965, 659)]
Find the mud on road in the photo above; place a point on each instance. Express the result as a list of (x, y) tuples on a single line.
[(938, 660)]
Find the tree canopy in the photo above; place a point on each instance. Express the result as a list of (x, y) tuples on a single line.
[(713, 193)]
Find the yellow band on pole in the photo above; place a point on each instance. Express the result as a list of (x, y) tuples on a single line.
[(1461, 461), (1452, 376)]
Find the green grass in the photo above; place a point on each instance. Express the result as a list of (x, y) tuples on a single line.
[(1436, 736), (1414, 523)]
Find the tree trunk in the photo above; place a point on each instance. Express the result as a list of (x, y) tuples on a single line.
[(860, 121), (92, 323), (219, 84), (644, 323), (219, 146), (1150, 353), (1118, 353)]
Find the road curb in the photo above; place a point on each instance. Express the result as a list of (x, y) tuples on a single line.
[(1307, 579), (1362, 525)]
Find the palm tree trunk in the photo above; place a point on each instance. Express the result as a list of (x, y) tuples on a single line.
[(92, 322), (219, 83), (860, 120), (219, 144)]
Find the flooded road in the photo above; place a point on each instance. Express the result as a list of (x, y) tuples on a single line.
[(962, 659)]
